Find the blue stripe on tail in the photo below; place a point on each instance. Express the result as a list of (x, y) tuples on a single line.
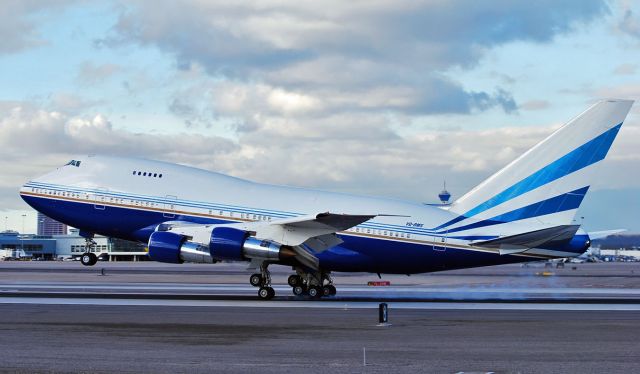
[(560, 203), (581, 157)]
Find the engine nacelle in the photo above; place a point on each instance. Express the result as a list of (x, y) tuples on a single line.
[(174, 248), (226, 244), (165, 247)]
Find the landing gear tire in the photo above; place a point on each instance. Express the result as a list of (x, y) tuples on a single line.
[(266, 293), (294, 280), (328, 290), (315, 292), (256, 280), (298, 290), (88, 259)]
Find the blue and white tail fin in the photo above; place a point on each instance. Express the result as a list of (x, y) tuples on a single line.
[(544, 187)]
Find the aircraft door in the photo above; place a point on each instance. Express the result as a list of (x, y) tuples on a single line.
[(440, 242), (170, 206), (99, 198)]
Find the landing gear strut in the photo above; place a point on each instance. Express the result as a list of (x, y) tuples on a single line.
[(313, 284), (89, 258), (263, 280)]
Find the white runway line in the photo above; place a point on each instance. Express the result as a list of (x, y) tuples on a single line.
[(322, 305), (389, 289)]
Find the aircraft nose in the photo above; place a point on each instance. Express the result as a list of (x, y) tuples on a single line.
[(25, 191)]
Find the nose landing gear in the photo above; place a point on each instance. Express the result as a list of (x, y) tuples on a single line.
[(89, 258)]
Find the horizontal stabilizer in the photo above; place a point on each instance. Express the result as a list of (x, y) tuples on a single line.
[(603, 234), (512, 251), (533, 239)]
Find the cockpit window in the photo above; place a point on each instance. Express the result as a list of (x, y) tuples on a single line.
[(73, 163)]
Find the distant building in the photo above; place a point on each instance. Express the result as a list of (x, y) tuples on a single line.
[(49, 247), (49, 226), (13, 244)]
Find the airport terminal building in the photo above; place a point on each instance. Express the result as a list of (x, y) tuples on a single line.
[(14, 245)]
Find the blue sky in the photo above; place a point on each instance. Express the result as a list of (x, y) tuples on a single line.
[(380, 98)]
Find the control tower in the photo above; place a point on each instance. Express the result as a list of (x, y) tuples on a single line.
[(444, 195)]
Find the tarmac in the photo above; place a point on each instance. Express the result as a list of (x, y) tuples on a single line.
[(156, 318)]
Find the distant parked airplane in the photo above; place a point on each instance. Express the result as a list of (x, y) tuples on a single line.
[(524, 211)]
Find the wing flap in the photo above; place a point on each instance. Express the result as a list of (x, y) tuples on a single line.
[(297, 231)]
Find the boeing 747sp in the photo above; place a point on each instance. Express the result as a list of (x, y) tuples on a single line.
[(523, 212)]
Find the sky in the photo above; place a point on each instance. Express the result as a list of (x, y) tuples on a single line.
[(384, 98)]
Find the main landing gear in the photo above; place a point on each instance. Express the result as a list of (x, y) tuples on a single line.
[(263, 281), (89, 258), (315, 285)]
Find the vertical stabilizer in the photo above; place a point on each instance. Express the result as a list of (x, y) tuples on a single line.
[(547, 183)]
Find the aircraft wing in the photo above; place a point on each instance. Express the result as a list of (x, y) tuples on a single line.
[(318, 231), (307, 235)]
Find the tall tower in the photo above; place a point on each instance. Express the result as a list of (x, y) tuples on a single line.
[(49, 226), (444, 195)]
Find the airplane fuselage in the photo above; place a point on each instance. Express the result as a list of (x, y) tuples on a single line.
[(128, 198)]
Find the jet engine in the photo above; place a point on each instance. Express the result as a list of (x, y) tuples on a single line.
[(226, 243)]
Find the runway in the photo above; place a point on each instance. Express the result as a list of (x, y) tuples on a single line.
[(349, 297), (589, 287), (62, 317), (186, 339)]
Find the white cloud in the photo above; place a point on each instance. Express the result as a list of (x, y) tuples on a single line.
[(376, 55), (20, 18)]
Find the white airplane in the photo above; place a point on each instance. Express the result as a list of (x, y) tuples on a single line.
[(521, 213)]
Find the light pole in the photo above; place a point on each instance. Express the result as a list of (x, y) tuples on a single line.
[(22, 236), (6, 223)]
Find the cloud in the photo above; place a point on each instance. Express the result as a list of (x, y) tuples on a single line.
[(630, 23), (20, 19), (535, 105), (628, 90), (91, 73), (70, 103), (384, 56)]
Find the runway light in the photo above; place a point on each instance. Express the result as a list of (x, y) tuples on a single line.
[(545, 273)]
